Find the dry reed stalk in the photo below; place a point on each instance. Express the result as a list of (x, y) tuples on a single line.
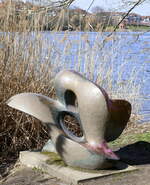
[(20, 71)]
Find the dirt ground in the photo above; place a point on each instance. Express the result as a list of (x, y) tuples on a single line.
[(27, 176), (136, 154)]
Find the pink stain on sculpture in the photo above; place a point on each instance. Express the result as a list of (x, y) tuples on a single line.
[(102, 148), (99, 118)]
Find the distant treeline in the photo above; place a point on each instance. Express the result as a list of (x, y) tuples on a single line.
[(19, 16)]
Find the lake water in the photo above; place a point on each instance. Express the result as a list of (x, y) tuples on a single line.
[(120, 63)]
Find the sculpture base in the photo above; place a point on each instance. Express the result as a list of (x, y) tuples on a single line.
[(65, 173)]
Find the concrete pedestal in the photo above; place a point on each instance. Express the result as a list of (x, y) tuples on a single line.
[(65, 173)]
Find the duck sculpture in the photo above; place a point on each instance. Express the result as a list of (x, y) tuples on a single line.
[(96, 117)]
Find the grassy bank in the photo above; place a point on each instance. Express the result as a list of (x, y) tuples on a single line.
[(138, 28), (131, 138)]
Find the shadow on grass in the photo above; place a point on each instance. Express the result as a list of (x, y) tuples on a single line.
[(135, 154)]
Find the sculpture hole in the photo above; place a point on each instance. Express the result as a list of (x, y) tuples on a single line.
[(71, 126), (70, 98)]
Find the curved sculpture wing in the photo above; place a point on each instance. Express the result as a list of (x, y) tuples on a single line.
[(41, 107), (91, 104), (120, 111)]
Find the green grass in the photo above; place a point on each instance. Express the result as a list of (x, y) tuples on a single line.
[(138, 28), (130, 138), (54, 159), (38, 170)]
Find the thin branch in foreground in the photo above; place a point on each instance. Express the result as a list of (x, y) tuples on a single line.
[(136, 4), (56, 5)]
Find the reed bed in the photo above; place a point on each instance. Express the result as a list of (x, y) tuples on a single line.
[(19, 74)]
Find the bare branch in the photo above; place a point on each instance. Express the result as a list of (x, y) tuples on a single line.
[(55, 5), (136, 4)]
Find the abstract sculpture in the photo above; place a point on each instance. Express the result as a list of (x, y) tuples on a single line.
[(95, 118)]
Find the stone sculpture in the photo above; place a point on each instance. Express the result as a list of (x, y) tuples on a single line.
[(96, 119)]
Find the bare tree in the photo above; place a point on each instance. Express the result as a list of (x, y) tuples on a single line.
[(97, 9), (55, 4)]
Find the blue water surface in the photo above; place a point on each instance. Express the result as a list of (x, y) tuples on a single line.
[(122, 59)]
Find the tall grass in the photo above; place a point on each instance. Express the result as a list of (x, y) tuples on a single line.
[(20, 74), (29, 61)]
